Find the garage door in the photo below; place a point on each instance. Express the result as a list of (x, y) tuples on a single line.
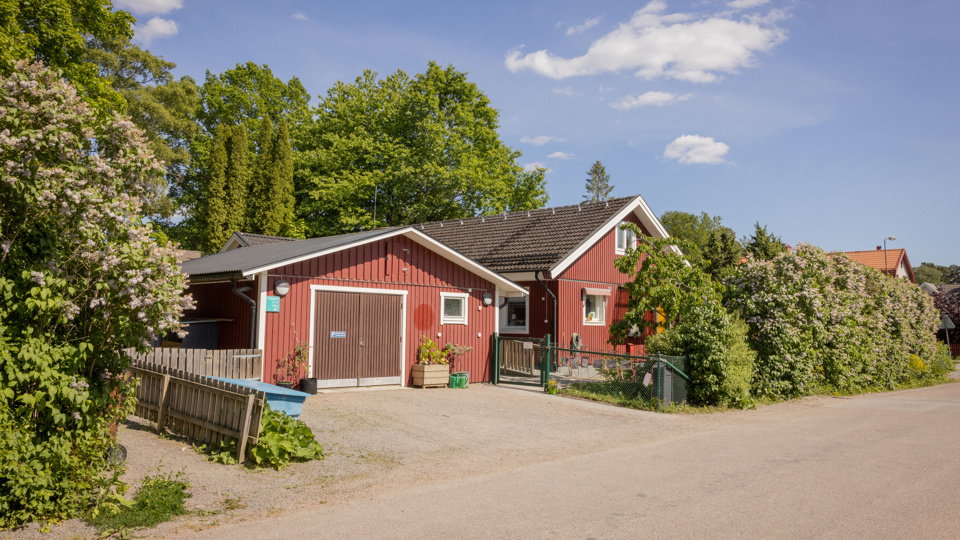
[(357, 339)]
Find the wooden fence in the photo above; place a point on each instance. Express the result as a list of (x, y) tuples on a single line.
[(199, 408), (518, 357), (228, 363), (955, 349)]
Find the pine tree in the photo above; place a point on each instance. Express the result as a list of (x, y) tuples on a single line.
[(282, 190), (598, 184), (763, 245), (260, 207), (237, 190), (212, 216)]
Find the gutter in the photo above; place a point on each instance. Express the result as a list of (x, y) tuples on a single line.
[(536, 276), (253, 312)]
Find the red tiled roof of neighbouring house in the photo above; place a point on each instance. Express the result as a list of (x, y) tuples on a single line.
[(887, 261)]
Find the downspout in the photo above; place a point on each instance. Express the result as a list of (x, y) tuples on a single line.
[(253, 312), (536, 275)]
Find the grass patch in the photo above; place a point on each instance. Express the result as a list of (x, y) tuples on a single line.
[(159, 499), (618, 393)]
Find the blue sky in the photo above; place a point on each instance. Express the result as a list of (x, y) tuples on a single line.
[(833, 123)]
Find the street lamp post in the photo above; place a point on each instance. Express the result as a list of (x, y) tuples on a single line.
[(891, 238)]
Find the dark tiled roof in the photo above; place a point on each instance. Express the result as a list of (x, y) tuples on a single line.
[(528, 240), (262, 239), (237, 262)]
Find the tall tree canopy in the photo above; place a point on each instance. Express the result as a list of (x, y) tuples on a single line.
[(933, 273), (403, 150), (703, 231), (598, 183), (55, 32), (763, 245)]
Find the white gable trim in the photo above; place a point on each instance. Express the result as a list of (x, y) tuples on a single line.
[(638, 206), (418, 237), (235, 241)]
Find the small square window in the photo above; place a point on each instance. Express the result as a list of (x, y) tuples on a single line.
[(454, 308), (594, 308), (513, 315)]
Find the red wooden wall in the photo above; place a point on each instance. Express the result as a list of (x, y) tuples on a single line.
[(217, 301), (395, 264)]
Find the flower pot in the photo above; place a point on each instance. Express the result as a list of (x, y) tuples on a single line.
[(285, 384), (308, 385), (430, 375)]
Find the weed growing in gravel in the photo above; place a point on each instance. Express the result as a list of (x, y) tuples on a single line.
[(159, 499)]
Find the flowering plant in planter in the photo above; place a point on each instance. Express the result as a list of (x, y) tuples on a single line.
[(290, 365), (429, 353)]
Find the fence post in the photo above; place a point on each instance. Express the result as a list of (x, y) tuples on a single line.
[(162, 412), (659, 381), (545, 362), (496, 358), (245, 428)]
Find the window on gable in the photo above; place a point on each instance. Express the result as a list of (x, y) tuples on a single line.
[(454, 308), (626, 238), (513, 315)]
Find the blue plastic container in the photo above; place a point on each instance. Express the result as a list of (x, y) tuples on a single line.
[(289, 402)]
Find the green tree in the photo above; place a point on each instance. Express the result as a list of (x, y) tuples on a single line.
[(237, 190), (55, 33), (721, 254), (929, 273), (763, 245), (283, 220), (694, 229), (81, 279), (598, 183), (660, 278), (158, 104), (211, 219), (403, 150), (260, 205)]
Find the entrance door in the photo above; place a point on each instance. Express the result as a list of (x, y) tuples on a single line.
[(357, 339)]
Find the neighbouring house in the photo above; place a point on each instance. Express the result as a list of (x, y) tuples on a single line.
[(244, 239), (362, 302), (893, 262), (565, 257)]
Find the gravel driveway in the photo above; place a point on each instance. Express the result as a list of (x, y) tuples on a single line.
[(381, 440)]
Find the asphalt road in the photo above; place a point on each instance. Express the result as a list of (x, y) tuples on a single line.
[(873, 466)]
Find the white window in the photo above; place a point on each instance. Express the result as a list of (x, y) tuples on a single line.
[(594, 308), (625, 238), (514, 315), (454, 308)]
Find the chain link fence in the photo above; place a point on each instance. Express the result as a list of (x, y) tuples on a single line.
[(638, 381)]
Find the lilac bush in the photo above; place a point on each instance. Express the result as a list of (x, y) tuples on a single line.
[(820, 320), (81, 279)]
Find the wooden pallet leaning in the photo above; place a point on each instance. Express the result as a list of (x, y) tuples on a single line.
[(227, 363), (199, 408)]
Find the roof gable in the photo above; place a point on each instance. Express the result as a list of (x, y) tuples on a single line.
[(241, 239), (885, 260), (244, 263), (543, 239)]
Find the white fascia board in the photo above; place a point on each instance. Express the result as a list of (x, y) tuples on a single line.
[(639, 207), (455, 256), (321, 253)]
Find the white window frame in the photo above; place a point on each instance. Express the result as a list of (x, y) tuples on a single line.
[(623, 235), (505, 328), (444, 319), (602, 310)]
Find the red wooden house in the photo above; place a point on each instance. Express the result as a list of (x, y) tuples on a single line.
[(361, 301), (565, 257)]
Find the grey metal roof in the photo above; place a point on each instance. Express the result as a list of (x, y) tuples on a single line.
[(252, 239), (238, 262)]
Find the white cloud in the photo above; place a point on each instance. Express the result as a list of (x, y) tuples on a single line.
[(155, 28), (149, 7), (566, 92), (658, 99), (747, 4), (696, 149), (300, 16), (684, 46), (580, 28), (540, 140), (560, 155), (530, 167)]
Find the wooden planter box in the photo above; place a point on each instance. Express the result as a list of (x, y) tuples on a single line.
[(425, 375)]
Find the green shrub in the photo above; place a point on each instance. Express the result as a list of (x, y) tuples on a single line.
[(158, 500), (283, 440), (80, 280), (740, 360)]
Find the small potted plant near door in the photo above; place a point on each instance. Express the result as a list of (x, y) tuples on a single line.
[(453, 353), (290, 365), (432, 367)]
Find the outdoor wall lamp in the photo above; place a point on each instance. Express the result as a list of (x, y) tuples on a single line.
[(281, 287)]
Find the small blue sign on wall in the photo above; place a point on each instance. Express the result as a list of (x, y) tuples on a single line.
[(273, 304), (338, 334)]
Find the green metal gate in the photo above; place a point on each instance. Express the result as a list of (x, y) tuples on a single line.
[(521, 360)]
